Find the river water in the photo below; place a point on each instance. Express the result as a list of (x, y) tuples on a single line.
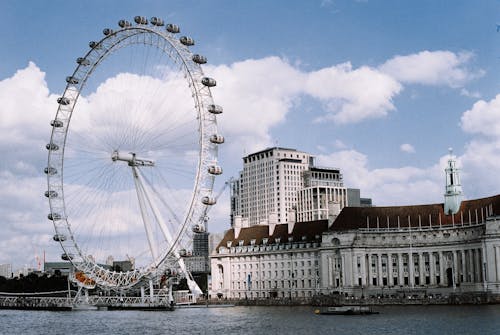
[(426, 320)]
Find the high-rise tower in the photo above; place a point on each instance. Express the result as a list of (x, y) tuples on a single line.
[(453, 196)]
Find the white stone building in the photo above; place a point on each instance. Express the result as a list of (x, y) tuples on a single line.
[(367, 251)]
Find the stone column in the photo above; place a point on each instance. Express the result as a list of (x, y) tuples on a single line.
[(464, 268), (411, 270), (379, 270), (432, 266), (390, 281), (470, 266), (497, 263), (441, 269), (477, 266), (400, 269), (454, 268), (421, 268)]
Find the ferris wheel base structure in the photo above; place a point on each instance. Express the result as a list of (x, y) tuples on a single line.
[(119, 179)]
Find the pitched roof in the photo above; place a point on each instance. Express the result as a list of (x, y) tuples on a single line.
[(312, 231), (470, 212)]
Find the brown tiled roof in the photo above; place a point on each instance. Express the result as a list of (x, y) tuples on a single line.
[(421, 215), (310, 230)]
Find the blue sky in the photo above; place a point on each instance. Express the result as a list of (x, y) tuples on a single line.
[(379, 89)]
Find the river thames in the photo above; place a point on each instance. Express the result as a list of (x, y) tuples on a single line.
[(427, 320)]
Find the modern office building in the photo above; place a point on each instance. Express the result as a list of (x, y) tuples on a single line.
[(281, 185), (6, 270)]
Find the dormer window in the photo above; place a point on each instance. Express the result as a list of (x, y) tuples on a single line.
[(290, 239), (304, 238), (277, 239), (229, 244), (240, 243), (252, 241), (265, 240)]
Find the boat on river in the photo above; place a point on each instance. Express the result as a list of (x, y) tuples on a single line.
[(346, 310)]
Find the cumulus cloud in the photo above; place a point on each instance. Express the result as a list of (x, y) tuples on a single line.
[(387, 186), (432, 68), (408, 148), (483, 118)]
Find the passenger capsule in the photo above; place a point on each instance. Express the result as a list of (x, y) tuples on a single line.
[(215, 109), (107, 31), (173, 28), (72, 80), (50, 170), (63, 101), (140, 20), (59, 238), (209, 82), (51, 194), (95, 45), (124, 23), (208, 201), (156, 21), (52, 146), (56, 123), (199, 59), (188, 41), (67, 257), (83, 61), (217, 139), (198, 228), (215, 170), (54, 216)]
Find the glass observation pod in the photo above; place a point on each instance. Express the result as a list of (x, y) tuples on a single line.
[(140, 20), (50, 170), (72, 80), (199, 59), (83, 61), (56, 123), (215, 109), (217, 139), (207, 81), (215, 170), (107, 31), (173, 28), (188, 41), (51, 194), (54, 216), (198, 228), (156, 21), (63, 101), (59, 238), (95, 45), (52, 146), (124, 23), (208, 201), (67, 257)]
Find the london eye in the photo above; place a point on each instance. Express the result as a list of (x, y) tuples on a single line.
[(132, 154)]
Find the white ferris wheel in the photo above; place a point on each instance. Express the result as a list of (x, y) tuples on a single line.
[(132, 155)]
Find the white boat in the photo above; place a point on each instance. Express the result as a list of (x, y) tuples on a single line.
[(346, 310)]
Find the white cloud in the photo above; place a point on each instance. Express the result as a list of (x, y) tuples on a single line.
[(387, 186), (466, 93), (352, 95), (432, 68), (408, 148), (483, 118)]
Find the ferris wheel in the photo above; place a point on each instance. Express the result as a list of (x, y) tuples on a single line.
[(132, 155)]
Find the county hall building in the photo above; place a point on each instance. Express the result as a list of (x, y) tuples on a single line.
[(449, 247)]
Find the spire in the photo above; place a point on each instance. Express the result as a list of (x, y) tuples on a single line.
[(453, 195)]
